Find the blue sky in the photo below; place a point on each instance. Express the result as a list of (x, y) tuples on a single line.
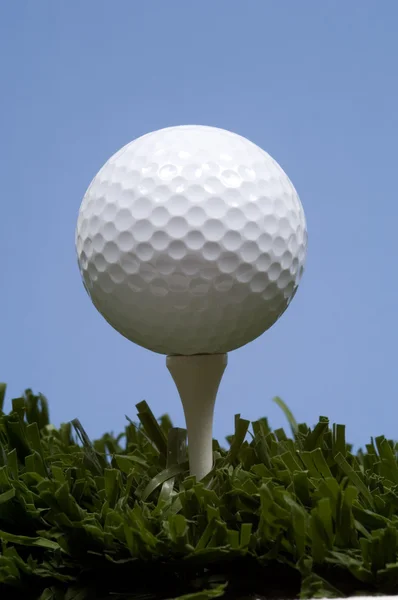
[(315, 84)]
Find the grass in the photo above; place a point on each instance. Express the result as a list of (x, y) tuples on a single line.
[(280, 516)]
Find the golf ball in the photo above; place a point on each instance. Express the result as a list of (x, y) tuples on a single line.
[(191, 240)]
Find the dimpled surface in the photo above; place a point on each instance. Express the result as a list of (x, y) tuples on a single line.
[(191, 240)]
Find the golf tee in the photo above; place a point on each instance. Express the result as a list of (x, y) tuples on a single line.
[(197, 379)]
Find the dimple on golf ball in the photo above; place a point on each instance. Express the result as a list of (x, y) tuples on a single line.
[(191, 240)]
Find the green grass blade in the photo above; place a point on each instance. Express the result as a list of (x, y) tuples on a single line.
[(288, 414), (354, 478), (152, 429), (164, 476), (3, 388)]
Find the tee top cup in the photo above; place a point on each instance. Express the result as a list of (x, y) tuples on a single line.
[(191, 240)]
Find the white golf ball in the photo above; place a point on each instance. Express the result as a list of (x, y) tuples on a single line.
[(191, 240)]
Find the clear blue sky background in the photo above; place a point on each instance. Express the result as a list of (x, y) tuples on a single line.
[(314, 83)]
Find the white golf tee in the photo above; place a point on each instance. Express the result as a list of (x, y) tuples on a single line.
[(197, 379)]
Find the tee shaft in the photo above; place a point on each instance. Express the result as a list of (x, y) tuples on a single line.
[(197, 379)]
